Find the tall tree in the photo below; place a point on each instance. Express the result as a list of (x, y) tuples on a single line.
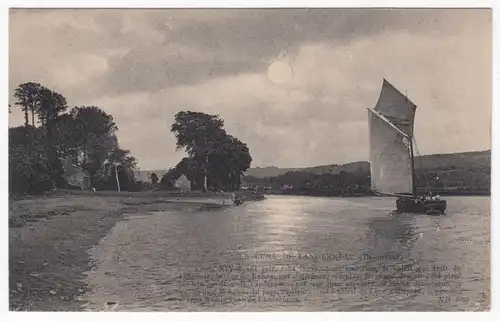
[(198, 134), (93, 136), (219, 159), (51, 104), (241, 161), (228, 162), (28, 98), (123, 158), (118, 169), (87, 136)]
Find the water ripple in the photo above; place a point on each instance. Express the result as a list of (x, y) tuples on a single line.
[(139, 263)]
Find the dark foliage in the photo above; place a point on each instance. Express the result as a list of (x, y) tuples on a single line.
[(213, 155), (29, 171), (315, 184), (85, 135), (448, 173), (154, 178)]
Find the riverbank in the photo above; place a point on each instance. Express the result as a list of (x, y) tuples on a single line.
[(332, 194), (248, 195), (49, 238)]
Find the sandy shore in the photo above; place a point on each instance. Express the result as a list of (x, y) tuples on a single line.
[(49, 238)]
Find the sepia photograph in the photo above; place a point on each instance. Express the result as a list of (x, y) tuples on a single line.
[(249, 159)]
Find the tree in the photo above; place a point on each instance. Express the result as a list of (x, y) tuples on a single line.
[(65, 136), (230, 159), (95, 151), (86, 137), (29, 171), (123, 158), (51, 104), (166, 183), (241, 161), (91, 137), (154, 178), (41, 153), (194, 130), (187, 166), (198, 133), (47, 104), (28, 98), (118, 170), (217, 159)]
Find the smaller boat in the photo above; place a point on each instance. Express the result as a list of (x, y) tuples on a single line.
[(237, 200), (415, 204)]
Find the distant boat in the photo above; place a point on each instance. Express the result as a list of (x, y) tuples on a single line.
[(391, 153), (237, 200)]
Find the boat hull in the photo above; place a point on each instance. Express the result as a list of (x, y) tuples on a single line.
[(418, 205)]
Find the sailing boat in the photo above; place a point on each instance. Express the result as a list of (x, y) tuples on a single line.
[(391, 153)]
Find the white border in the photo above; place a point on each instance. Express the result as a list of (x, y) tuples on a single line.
[(246, 316), (249, 4)]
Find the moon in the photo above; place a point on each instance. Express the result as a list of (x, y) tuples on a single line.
[(279, 72)]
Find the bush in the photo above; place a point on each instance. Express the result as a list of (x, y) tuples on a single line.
[(28, 167), (126, 178), (166, 183)]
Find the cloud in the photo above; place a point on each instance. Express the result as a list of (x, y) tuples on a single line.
[(143, 66), (217, 43)]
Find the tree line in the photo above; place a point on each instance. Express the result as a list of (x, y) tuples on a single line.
[(472, 179), (85, 136), (326, 184), (54, 132)]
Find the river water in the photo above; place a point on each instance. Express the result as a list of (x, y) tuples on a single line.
[(293, 253)]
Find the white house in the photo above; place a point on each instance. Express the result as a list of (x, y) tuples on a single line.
[(183, 183), (75, 176)]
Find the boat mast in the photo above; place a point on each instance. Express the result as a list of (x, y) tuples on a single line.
[(413, 188), (412, 169)]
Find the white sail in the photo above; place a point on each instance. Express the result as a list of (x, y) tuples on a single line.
[(396, 108), (391, 131)]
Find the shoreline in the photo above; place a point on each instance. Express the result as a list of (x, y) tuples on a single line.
[(444, 194), (50, 236), (48, 243)]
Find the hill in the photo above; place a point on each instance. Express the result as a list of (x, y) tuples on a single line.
[(272, 171), (434, 162), (468, 172)]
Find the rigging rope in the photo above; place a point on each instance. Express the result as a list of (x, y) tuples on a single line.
[(421, 165)]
